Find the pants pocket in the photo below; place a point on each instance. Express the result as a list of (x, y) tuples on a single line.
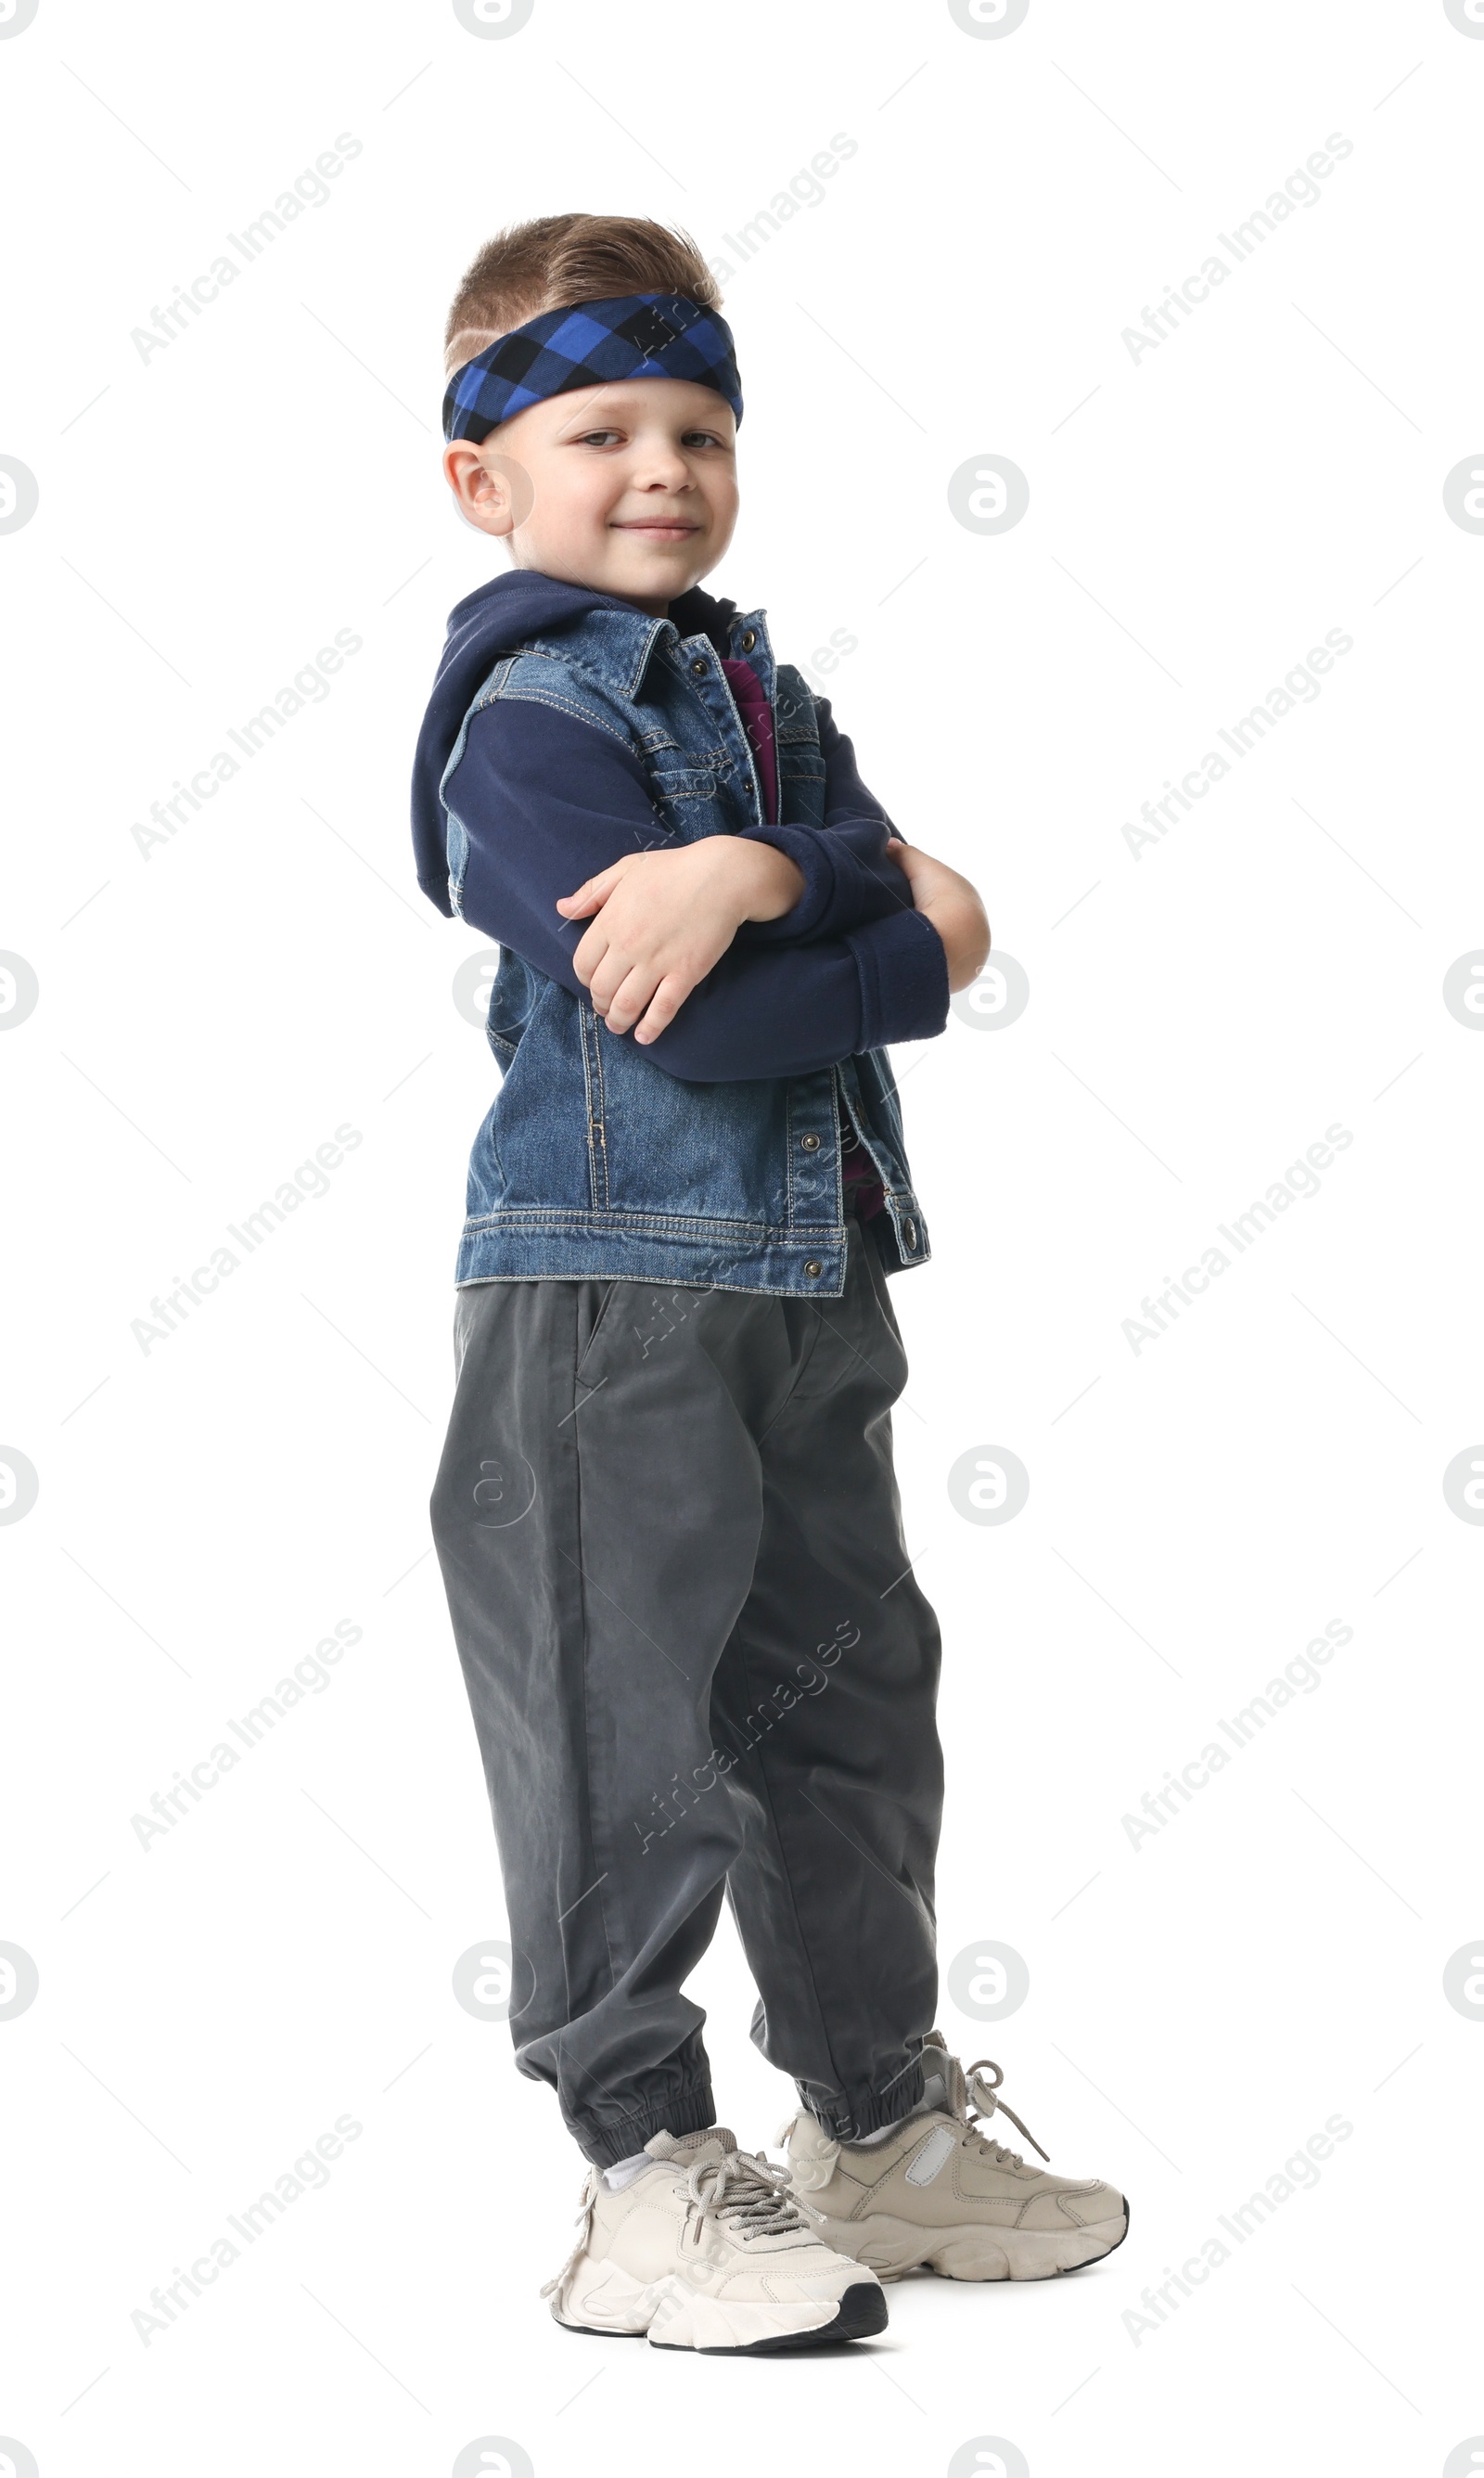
[(594, 1301)]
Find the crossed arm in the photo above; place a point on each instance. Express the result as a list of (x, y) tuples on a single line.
[(766, 953), (661, 920)]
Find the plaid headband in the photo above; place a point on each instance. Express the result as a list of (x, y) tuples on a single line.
[(642, 336)]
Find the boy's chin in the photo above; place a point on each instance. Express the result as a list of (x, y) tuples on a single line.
[(639, 555), (660, 571)]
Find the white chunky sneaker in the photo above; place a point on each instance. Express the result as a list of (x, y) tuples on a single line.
[(702, 2247), (937, 2191)]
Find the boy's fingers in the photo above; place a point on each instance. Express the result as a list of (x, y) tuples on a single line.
[(609, 972), (663, 1008), (597, 888), (586, 898), (589, 953), (629, 1000)]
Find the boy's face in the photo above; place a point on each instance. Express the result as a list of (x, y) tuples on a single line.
[(631, 488)]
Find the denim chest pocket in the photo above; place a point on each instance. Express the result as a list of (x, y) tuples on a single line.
[(692, 800), (685, 782)]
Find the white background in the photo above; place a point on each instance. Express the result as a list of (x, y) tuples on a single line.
[(208, 1015)]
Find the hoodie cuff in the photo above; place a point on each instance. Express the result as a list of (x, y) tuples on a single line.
[(810, 850), (903, 967)]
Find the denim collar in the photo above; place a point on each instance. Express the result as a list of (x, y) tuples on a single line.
[(619, 643)]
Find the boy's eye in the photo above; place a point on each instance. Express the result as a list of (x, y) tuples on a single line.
[(608, 438)]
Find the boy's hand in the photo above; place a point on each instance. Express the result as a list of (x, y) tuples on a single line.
[(664, 919), (953, 908)]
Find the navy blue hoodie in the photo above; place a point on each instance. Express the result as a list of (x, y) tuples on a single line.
[(549, 800)]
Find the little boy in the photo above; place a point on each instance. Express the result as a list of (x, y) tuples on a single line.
[(699, 1661)]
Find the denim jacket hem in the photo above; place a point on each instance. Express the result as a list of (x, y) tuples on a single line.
[(684, 1254)]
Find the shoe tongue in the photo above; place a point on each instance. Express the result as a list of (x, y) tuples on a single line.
[(944, 2086), (949, 2090), (713, 2143)]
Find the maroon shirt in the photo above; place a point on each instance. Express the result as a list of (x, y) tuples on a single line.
[(864, 1191)]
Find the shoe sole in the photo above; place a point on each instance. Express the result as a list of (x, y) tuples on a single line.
[(890, 2248), (861, 2310)]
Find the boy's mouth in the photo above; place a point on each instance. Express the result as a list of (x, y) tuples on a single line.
[(657, 528)]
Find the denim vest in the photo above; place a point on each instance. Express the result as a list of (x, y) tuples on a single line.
[(595, 1163)]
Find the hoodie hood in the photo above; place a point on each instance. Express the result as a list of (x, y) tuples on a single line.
[(496, 620)]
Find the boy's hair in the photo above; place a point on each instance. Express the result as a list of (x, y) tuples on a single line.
[(557, 260)]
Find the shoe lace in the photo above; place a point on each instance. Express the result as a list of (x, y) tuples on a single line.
[(556, 2287), (980, 2102), (745, 2194)]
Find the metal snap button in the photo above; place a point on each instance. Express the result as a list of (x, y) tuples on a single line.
[(809, 1143), (700, 667), (910, 1233), (814, 1268), (749, 640)]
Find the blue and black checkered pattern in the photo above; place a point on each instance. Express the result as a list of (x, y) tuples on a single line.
[(639, 336)]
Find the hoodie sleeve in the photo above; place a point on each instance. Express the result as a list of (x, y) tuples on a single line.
[(540, 800), (848, 880)]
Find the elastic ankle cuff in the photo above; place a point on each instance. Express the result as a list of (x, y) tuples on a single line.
[(690, 2112), (846, 2123)]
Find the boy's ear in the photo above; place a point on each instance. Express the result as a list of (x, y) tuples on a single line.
[(493, 493)]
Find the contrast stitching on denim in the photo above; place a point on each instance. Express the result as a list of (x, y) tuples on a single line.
[(592, 1101), (721, 1225), (586, 1095), (790, 1091), (494, 685), (580, 713), (600, 1154), (707, 758)]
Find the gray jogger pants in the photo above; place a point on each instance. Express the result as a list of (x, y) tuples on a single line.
[(671, 1542)]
